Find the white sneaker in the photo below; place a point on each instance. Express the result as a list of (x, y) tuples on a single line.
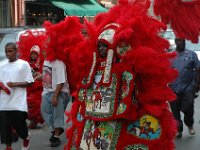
[(191, 131), (45, 127)]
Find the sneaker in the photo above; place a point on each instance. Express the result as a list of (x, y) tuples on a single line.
[(8, 148), (55, 142), (179, 135), (26, 143), (53, 133), (191, 130), (45, 127), (52, 136), (32, 125)]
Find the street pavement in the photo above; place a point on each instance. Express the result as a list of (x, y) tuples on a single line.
[(40, 136), (188, 142)]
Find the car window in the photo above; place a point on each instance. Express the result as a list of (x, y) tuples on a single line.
[(4, 39), (169, 35), (193, 46)]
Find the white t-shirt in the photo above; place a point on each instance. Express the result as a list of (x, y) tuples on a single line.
[(17, 71), (54, 73)]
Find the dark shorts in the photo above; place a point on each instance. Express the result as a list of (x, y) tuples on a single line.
[(10, 120)]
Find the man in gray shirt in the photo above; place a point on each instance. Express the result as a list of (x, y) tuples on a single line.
[(185, 85)]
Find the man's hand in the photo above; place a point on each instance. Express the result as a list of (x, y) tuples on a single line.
[(11, 84), (54, 100), (5, 88)]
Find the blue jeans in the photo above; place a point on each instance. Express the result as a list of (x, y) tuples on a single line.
[(54, 115)]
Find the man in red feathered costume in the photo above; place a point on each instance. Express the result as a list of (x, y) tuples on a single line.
[(119, 78), (30, 46)]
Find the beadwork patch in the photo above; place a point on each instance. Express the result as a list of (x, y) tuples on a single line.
[(79, 117), (100, 99), (147, 127), (81, 94), (121, 108), (123, 48), (137, 147), (100, 135), (74, 138), (126, 80)]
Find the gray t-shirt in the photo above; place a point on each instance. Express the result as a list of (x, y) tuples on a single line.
[(186, 63)]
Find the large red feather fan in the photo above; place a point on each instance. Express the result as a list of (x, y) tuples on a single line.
[(182, 15)]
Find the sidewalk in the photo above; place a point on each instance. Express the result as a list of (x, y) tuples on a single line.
[(40, 139)]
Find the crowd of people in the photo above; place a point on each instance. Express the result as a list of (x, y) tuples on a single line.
[(119, 78)]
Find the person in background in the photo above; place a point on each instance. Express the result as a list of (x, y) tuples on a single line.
[(15, 77), (185, 86), (35, 91), (55, 97)]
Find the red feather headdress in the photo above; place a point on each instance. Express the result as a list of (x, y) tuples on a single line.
[(32, 41)]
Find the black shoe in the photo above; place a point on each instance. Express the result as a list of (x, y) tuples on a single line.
[(55, 142), (179, 135), (53, 133), (52, 136)]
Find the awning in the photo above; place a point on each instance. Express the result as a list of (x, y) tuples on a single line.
[(79, 7)]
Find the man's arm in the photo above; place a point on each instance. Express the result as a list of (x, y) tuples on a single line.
[(38, 76), (56, 93), (60, 79), (3, 87), (19, 84)]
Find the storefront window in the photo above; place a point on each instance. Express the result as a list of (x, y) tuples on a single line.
[(1, 13), (38, 12), (4, 14)]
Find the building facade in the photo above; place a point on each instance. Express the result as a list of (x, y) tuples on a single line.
[(5, 13), (28, 12), (31, 12)]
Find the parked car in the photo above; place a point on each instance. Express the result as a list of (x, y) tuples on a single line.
[(170, 36), (12, 35)]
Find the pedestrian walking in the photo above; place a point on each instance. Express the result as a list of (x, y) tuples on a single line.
[(185, 86), (55, 97), (15, 76)]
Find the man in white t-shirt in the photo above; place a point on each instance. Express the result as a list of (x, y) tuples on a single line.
[(15, 76), (55, 97)]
